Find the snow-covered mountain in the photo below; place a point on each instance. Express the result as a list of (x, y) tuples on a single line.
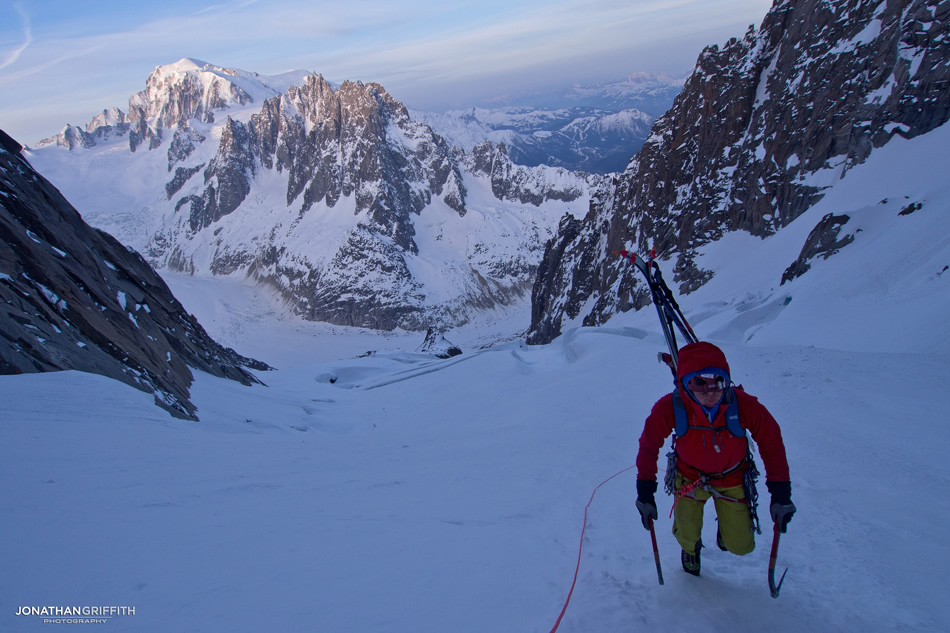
[(175, 94), (592, 128), (651, 93), (333, 195), (767, 126), (578, 138)]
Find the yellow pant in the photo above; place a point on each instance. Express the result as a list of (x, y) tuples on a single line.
[(735, 521)]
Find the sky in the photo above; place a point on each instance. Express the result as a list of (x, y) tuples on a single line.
[(63, 61)]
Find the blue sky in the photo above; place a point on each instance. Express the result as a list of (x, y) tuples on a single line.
[(61, 61)]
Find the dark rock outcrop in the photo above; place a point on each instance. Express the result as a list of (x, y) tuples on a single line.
[(72, 297), (823, 240), (185, 141), (436, 344), (228, 177)]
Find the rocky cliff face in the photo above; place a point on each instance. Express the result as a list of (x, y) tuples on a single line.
[(761, 125), (353, 142), (72, 297)]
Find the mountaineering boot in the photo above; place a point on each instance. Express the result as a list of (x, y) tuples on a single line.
[(691, 561)]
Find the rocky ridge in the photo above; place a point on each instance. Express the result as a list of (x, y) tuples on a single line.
[(761, 125), (72, 297)]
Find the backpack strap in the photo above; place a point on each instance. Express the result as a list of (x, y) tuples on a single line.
[(732, 415), (732, 423), (679, 412)]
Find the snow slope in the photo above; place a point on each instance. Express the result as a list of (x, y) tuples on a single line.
[(393, 492), (397, 493)]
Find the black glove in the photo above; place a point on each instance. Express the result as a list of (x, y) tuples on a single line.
[(646, 502), (782, 509)]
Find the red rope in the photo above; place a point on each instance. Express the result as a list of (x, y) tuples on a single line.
[(581, 547), (684, 491)]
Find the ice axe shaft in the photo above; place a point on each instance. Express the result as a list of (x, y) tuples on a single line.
[(656, 553)]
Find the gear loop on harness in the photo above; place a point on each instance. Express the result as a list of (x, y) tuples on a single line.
[(700, 484)]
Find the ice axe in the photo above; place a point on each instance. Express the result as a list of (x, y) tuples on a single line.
[(772, 586)]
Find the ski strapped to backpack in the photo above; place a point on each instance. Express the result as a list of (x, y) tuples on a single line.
[(666, 307)]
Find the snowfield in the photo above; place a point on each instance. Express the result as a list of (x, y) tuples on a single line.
[(394, 492), (397, 492)]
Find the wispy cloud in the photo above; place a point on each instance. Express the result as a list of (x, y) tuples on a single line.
[(522, 38), (47, 64), (11, 56)]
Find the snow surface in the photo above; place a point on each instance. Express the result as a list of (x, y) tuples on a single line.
[(399, 493), (395, 492)]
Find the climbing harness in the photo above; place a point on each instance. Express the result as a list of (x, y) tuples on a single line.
[(750, 476)]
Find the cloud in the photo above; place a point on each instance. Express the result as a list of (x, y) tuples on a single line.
[(520, 39), (12, 56)]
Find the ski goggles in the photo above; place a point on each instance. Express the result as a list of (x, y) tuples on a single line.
[(707, 383)]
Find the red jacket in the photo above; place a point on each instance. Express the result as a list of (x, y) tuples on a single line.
[(696, 450)]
